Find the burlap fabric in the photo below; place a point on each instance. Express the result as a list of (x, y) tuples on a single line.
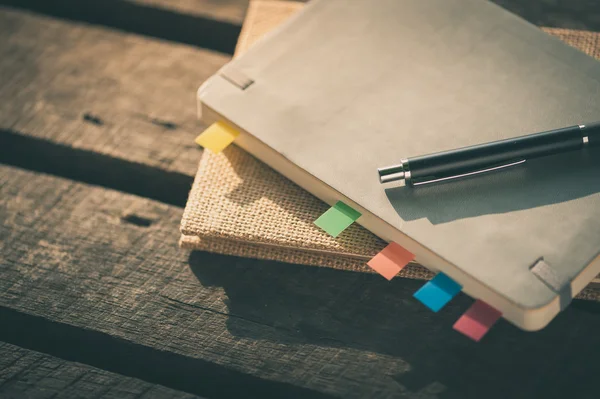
[(239, 206)]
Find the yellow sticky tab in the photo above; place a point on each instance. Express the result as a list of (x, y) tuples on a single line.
[(217, 137)]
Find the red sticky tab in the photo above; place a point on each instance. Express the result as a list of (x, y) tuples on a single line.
[(391, 260), (477, 321)]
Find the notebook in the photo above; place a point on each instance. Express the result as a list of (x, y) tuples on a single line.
[(240, 206), (412, 77)]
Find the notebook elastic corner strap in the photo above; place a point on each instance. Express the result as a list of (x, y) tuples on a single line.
[(549, 276), (236, 77)]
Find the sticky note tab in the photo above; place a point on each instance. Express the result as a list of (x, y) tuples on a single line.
[(438, 292), (391, 260), (477, 321), (337, 219), (217, 137)]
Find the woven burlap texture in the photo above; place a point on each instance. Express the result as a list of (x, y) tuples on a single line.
[(240, 206)]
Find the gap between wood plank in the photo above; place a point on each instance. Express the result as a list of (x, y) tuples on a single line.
[(89, 167), (137, 18), (26, 373), (116, 355)]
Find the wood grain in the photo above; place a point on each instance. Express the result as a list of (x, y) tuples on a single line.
[(70, 255), (162, 22), (93, 275), (232, 11), (29, 374), (121, 95)]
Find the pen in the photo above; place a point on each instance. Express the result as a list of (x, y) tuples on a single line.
[(482, 158)]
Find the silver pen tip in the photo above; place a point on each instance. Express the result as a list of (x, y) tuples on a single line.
[(390, 174)]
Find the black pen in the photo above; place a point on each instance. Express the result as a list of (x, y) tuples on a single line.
[(489, 157)]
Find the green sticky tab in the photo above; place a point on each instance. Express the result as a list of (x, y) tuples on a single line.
[(337, 219)]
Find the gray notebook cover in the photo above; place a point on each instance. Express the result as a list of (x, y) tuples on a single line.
[(346, 87)]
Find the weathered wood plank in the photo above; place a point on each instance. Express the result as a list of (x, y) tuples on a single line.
[(29, 374), (106, 352), (225, 10), (71, 256), (117, 94), (90, 167), (232, 11), (200, 29)]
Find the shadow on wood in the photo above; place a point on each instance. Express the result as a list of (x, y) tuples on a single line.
[(123, 357), (30, 374), (144, 20), (364, 316), (566, 14), (90, 167)]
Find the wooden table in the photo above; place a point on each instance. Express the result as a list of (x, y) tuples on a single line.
[(97, 121)]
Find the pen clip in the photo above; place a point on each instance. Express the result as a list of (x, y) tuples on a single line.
[(463, 175)]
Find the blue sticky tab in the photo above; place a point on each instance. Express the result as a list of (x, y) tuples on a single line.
[(438, 292)]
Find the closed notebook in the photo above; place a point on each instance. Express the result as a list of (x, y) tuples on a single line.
[(406, 78), (240, 206)]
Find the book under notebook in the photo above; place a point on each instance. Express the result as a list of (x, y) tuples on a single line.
[(408, 78)]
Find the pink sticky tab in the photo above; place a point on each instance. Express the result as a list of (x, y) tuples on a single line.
[(477, 321), (391, 260)]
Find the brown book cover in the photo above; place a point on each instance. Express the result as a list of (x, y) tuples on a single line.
[(239, 206)]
